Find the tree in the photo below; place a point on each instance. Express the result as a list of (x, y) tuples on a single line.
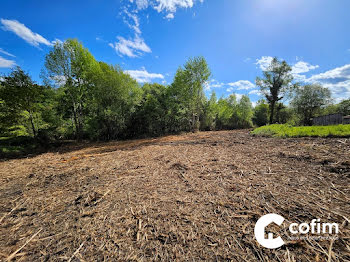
[(261, 113), (276, 83), (245, 112), (233, 114), (21, 99), (209, 114), (150, 116), (72, 67), (344, 107), (187, 89), (309, 99), (111, 103)]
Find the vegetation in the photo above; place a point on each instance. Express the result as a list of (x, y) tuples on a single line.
[(278, 130), (276, 84), (82, 98), (86, 99), (309, 100)]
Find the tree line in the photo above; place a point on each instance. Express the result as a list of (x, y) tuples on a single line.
[(82, 98)]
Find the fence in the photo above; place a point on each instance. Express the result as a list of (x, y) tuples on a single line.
[(333, 119)]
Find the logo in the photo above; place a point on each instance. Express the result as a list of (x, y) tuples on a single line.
[(259, 231), (298, 230)]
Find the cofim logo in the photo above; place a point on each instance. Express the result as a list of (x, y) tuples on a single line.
[(315, 227)]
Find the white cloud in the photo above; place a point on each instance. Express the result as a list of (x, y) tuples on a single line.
[(131, 47), (168, 6), (5, 63), (141, 4), (6, 53), (132, 21), (297, 69), (242, 85), (143, 76), (338, 74), (255, 92), (337, 80), (172, 5), (24, 32), (264, 62), (137, 46), (239, 96), (170, 16), (303, 67), (213, 83)]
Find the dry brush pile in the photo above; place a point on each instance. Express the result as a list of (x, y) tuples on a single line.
[(187, 198)]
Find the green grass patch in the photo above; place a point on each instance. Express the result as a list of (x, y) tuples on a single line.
[(278, 130)]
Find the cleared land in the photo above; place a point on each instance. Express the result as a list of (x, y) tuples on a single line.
[(190, 197)]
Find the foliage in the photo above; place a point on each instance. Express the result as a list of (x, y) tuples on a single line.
[(261, 113), (151, 114), (111, 103), (344, 107), (234, 114), (278, 130), (73, 69), (276, 84), (210, 113), (309, 99), (187, 90), (86, 99), (23, 104)]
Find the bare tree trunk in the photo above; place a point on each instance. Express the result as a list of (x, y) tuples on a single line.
[(76, 123), (272, 110), (32, 123)]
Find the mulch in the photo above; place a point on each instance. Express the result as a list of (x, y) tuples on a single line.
[(186, 198)]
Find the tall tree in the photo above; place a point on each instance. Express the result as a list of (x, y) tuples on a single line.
[(209, 114), (188, 88), (309, 99), (276, 83), (72, 67), (19, 94), (111, 103), (151, 115), (245, 110)]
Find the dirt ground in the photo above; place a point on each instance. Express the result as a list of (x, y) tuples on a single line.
[(186, 198)]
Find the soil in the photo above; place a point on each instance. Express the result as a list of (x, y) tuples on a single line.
[(186, 198)]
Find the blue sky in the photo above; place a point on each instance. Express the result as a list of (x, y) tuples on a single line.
[(152, 38)]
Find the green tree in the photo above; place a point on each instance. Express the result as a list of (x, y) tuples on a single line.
[(309, 99), (21, 99), (261, 113), (344, 107), (225, 112), (276, 84), (73, 68), (111, 103), (209, 114), (245, 112), (187, 89), (151, 115)]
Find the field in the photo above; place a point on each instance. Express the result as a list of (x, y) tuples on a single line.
[(189, 197), (277, 130)]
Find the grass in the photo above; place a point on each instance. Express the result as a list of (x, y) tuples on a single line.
[(278, 130)]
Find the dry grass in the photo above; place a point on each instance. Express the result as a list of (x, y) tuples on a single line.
[(187, 198)]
